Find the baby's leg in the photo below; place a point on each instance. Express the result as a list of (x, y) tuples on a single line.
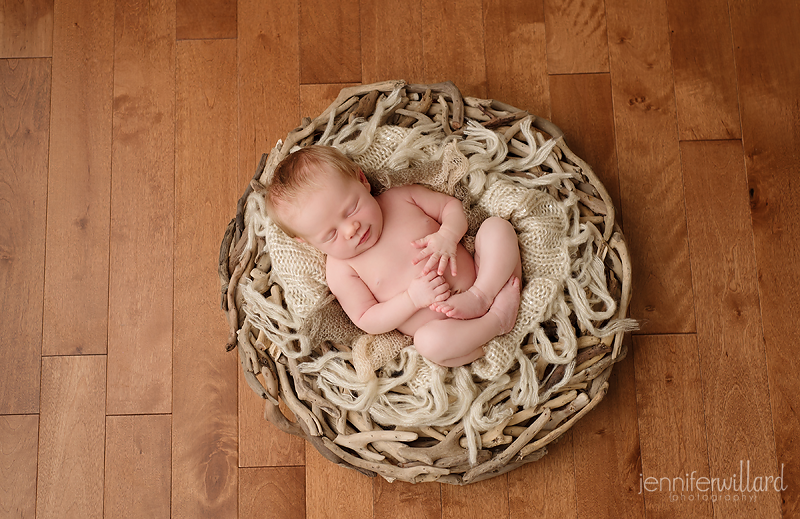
[(496, 260), (454, 342)]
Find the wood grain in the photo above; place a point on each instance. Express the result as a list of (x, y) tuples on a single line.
[(545, 488), (669, 395), (705, 75), (649, 166), (330, 42), (453, 48), (24, 135), (205, 19), (577, 42), (138, 466), (514, 34), (272, 492), (269, 75), (487, 498), (401, 499), (716, 292), (18, 435), (768, 71), (261, 444), (71, 434), (583, 109), (387, 27), (607, 453), (335, 492), (78, 195), (204, 426), (730, 338), (142, 199), (26, 29)]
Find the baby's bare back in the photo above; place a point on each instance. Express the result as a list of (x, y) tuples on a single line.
[(387, 268)]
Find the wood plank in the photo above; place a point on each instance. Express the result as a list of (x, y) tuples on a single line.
[(453, 48), (25, 104), (262, 444), (71, 434), (330, 42), (204, 427), (269, 75), (205, 19), (26, 29), (649, 166), (705, 75), (142, 200), (18, 435), (577, 42), (766, 38), (546, 487), (390, 44), (730, 337), (607, 452), (516, 51), (669, 394), (487, 498), (272, 492), (582, 108), (138, 466), (78, 197), (401, 499), (335, 492)]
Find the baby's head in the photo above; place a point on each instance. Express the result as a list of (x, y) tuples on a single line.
[(319, 196), (301, 172)]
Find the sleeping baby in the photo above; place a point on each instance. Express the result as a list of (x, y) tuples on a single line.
[(394, 261)]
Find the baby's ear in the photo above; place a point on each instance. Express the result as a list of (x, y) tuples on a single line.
[(363, 178)]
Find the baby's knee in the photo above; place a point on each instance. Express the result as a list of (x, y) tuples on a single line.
[(498, 228)]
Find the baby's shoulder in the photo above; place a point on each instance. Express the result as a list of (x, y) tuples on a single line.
[(338, 269)]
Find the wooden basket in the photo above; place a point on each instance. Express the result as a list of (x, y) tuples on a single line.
[(431, 453)]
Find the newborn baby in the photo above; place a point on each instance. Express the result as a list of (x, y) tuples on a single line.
[(394, 261)]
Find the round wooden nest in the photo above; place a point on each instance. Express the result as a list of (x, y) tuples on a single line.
[(431, 453)]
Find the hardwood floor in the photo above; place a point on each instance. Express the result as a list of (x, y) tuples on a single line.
[(130, 128)]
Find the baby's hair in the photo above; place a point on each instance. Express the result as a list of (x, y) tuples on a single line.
[(296, 173)]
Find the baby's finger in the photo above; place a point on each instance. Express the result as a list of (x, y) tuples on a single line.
[(443, 297), (432, 261), (453, 269), (419, 257), (430, 276), (421, 243), (443, 264)]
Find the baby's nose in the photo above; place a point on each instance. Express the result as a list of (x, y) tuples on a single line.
[(354, 227)]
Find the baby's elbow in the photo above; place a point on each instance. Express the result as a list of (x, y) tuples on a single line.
[(372, 328)]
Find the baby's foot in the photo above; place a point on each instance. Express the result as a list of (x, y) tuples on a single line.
[(466, 305), (506, 305)]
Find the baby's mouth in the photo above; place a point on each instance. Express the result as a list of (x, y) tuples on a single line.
[(364, 238)]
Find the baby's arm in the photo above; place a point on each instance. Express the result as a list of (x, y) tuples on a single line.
[(439, 247), (373, 317)]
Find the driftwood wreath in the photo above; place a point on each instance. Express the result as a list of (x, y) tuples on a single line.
[(372, 403)]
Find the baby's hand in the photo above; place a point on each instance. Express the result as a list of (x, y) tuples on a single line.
[(440, 248), (428, 289)]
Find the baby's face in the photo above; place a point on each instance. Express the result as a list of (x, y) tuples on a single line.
[(340, 218)]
